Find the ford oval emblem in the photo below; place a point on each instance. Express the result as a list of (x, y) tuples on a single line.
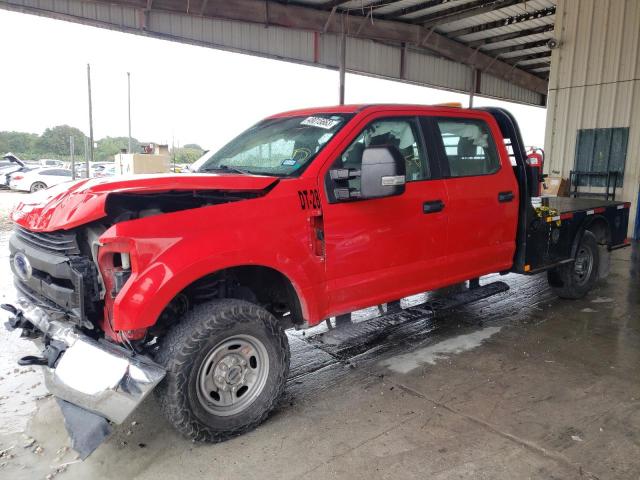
[(22, 266)]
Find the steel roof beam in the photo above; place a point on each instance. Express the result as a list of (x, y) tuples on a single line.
[(332, 3), (511, 35), (411, 9), (526, 56), (534, 66), (545, 12), (464, 11), (517, 48)]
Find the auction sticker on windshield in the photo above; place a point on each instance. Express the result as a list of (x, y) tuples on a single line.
[(321, 122)]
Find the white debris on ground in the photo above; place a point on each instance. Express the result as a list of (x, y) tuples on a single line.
[(431, 354), (602, 300)]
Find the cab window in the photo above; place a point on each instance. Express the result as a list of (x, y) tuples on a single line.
[(468, 147), (401, 133)]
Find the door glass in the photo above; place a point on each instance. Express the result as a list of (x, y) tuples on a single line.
[(469, 147), (401, 133)]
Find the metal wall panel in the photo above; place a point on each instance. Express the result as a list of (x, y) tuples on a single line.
[(363, 56), (441, 72), (491, 86), (595, 83)]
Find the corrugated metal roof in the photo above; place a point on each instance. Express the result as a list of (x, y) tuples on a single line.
[(475, 16), (498, 14)]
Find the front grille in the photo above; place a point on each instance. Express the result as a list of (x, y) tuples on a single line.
[(60, 242), (62, 279)]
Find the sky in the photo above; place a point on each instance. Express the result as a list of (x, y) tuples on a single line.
[(180, 93)]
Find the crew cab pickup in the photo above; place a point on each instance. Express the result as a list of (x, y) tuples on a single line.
[(185, 284)]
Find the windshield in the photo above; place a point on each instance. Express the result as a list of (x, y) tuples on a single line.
[(277, 146)]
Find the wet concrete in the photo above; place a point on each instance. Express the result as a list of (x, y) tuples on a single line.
[(519, 385)]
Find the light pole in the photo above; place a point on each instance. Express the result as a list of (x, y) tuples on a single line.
[(129, 107), (89, 160)]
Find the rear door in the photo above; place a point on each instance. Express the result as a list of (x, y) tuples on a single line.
[(482, 194), (383, 249)]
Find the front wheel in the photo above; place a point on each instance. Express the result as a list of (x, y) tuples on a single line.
[(227, 363), (575, 280)]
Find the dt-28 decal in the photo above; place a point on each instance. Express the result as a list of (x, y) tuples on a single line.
[(309, 199)]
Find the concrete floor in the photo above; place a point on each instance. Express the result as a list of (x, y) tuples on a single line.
[(521, 385)]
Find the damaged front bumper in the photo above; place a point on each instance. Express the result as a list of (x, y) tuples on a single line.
[(98, 377)]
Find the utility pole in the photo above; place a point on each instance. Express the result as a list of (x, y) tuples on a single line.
[(73, 161), (129, 107), (173, 153), (89, 160), (86, 149)]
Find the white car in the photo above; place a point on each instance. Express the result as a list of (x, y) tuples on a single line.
[(39, 179), (106, 171), (48, 162), (8, 165)]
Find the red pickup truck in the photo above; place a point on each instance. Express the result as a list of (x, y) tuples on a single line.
[(188, 282)]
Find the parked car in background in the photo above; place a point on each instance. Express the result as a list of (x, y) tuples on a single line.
[(9, 164), (105, 171), (49, 162), (99, 166), (180, 168), (39, 179), (6, 178), (94, 169)]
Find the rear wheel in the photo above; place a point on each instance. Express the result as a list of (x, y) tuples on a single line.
[(37, 186), (227, 363), (575, 280)]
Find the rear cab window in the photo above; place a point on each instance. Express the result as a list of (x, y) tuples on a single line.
[(469, 148)]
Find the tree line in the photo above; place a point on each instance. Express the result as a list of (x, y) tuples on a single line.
[(54, 143)]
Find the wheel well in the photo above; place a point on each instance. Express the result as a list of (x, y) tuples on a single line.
[(261, 285), (600, 228)]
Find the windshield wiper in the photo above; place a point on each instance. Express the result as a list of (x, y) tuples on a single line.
[(227, 168)]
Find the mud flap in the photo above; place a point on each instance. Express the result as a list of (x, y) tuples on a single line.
[(86, 429), (604, 261)]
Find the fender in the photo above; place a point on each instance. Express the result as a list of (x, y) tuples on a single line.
[(172, 250), (584, 226), (144, 297)]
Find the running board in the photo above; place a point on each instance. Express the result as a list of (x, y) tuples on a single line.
[(345, 339)]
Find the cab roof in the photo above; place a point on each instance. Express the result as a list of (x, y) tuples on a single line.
[(355, 108)]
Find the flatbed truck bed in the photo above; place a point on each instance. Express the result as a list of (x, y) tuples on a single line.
[(554, 230)]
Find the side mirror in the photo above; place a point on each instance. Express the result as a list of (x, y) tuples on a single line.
[(383, 172)]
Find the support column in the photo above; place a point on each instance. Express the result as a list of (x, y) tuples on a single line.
[(343, 60), (474, 83)]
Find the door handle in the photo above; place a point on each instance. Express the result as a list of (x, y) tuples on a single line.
[(432, 206), (505, 197)]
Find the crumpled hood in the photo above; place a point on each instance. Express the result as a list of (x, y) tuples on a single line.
[(71, 204)]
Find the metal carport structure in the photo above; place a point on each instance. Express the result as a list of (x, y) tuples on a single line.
[(493, 48)]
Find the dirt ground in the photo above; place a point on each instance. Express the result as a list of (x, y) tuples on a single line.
[(520, 385)]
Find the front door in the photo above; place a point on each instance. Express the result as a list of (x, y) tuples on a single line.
[(383, 249)]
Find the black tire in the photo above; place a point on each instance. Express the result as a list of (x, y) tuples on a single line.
[(187, 350), (37, 186), (574, 280)]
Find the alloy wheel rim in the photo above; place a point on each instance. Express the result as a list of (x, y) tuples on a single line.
[(233, 375)]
